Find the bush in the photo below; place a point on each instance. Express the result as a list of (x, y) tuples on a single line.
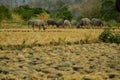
[(108, 37), (5, 13), (27, 12), (113, 23), (117, 39)]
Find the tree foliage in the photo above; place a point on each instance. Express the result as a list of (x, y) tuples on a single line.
[(5, 13), (24, 11), (27, 12), (90, 8), (108, 11), (62, 11)]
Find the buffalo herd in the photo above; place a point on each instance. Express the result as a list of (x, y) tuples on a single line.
[(73, 23), (63, 23)]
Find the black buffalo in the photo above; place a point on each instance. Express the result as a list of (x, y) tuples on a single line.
[(60, 23), (51, 22)]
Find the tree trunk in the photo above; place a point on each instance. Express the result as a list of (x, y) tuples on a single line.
[(118, 5)]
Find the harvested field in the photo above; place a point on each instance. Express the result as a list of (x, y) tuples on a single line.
[(21, 58), (74, 62), (14, 37)]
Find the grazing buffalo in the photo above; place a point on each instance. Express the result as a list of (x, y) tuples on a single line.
[(67, 23), (36, 22), (74, 23), (60, 23), (97, 22), (51, 22), (84, 22)]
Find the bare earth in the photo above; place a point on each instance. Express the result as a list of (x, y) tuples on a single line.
[(65, 62)]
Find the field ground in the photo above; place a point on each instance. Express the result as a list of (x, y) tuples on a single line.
[(73, 62), (92, 61), (14, 37)]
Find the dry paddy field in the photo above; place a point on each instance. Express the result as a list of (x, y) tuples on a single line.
[(18, 36), (57, 54)]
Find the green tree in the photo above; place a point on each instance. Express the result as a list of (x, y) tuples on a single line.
[(90, 8), (62, 11), (108, 11), (25, 12), (5, 13)]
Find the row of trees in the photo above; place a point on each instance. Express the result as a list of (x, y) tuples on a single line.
[(88, 8), (26, 12)]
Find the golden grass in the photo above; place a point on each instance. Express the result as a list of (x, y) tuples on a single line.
[(70, 62), (50, 35)]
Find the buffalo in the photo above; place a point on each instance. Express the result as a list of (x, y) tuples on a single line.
[(84, 22), (67, 23), (51, 22), (60, 23), (97, 22), (74, 23), (36, 22)]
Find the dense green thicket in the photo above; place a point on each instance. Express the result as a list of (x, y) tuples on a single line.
[(94, 8), (64, 13), (5, 13), (27, 12), (61, 11), (109, 37), (108, 11)]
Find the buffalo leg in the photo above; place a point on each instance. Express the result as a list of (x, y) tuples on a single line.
[(39, 28), (44, 28), (33, 27)]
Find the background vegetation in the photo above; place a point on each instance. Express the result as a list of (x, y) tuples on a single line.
[(104, 9), (5, 13)]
